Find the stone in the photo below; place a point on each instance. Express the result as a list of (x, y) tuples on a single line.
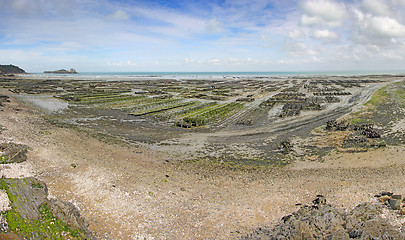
[(323, 221), (29, 195), (395, 202), (13, 152), (320, 200), (384, 198)]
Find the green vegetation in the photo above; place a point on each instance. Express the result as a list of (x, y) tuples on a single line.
[(4, 159), (45, 132), (54, 226), (379, 97), (212, 115), (7, 69), (400, 93), (356, 120), (162, 107), (36, 185), (136, 102), (47, 226)]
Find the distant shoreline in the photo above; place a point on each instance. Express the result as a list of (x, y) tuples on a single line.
[(206, 75)]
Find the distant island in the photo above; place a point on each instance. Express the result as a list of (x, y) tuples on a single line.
[(10, 69), (62, 71)]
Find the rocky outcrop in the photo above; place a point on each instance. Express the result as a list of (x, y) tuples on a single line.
[(10, 69), (62, 71), (13, 153), (324, 221), (3, 99), (34, 216)]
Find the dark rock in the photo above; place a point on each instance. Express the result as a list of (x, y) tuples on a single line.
[(320, 200), (7, 69), (62, 71), (29, 198), (3, 99), (285, 146), (13, 153), (395, 202), (383, 194), (323, 221), (333, 125), (68, 213)]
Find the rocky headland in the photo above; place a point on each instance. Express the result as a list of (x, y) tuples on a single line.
[(63, 71), (10, 69)]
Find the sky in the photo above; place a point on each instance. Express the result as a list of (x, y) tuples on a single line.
[(203, 35)]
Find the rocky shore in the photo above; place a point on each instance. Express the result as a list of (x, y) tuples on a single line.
[(30, 214), (370, 220), (62, 71), (26, 211), (134, 191)]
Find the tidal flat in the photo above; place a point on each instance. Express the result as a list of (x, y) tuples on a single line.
[(241, 121), (215, 158)]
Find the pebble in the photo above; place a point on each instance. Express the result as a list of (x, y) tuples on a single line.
[(384, 198), (395, 202)]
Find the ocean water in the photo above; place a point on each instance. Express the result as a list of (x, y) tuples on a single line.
[(204, 75)]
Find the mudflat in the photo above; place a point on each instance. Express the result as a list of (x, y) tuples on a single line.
[(206, 159)]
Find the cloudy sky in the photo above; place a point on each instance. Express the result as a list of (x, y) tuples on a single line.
[(203, 35)]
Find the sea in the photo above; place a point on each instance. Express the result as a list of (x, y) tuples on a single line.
[(204, 75)]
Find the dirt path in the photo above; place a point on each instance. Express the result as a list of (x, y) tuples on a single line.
[(136, 193)]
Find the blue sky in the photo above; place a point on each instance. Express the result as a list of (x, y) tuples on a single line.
[(197, 35)]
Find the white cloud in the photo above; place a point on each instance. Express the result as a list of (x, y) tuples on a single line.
[(323, 12), (119, 15), (38, 8), (358, 15), (122, 63), (386, 27), (232, 61), (295, 34), (232, 35), (214, 26), (393, 56), (371, 28), (300, 49), (376, 7), (325, 34), (300, 61), (191, 61)]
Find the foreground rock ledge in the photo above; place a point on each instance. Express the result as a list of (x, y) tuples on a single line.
[(31, 215), (324, 221)]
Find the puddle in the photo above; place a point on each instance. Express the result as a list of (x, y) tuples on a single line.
[(46, 103)]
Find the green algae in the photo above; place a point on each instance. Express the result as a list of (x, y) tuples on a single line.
[(45, 226)]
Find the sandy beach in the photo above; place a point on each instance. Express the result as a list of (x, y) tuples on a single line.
[(126, 191)]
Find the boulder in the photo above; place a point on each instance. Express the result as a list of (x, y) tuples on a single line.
[(395, 202), (324, 221), (13, 153), (34, 216), (384, 198)]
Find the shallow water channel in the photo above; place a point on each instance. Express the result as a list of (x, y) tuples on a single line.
[(46, 103)]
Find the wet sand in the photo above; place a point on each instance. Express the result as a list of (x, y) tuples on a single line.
[(128, 192)]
